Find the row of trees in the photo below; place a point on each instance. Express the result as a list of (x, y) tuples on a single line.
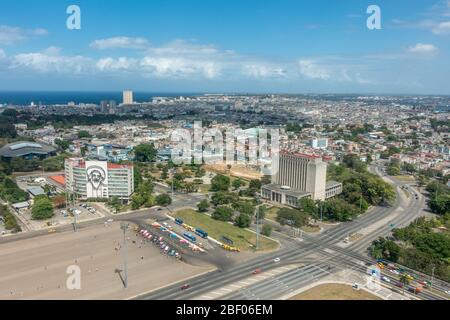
[(423, 245), (10, 192), (9, 220), (439, 198)]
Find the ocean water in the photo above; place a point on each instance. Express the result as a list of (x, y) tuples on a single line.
[(63, 97)]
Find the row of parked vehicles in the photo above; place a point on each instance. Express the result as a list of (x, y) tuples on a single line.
[(159, 241), (188, 238)]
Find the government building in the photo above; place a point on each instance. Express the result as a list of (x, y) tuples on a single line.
[(99, 179), (300, 176)]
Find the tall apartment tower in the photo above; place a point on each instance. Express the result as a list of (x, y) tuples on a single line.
[(302, 172), (128, 97)]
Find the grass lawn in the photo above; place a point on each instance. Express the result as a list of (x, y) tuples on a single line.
[(334, 291), (243, 239), (405, 178), (272, 213), (204, 188)]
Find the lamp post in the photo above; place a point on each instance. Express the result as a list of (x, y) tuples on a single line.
[(124, 226)]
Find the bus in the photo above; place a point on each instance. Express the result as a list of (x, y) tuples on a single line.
[(201, 233), (190, 237)]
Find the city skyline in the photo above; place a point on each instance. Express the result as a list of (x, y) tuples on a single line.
[(295, 47)]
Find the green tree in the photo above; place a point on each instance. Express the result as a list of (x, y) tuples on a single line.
[(145, 152), (84, 134), (222, 213), (42, 208), (163, 200), (115, 203), (255, 184), (440, 204), (62, 144), (220, 183), (137, 201), (292, 217), (203, 205), (243, 221), (266, 230), (238, 183)]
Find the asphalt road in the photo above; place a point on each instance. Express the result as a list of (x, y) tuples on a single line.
[(296, 251)]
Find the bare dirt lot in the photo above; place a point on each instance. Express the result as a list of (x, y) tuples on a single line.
[(334, 291), (36, 268)]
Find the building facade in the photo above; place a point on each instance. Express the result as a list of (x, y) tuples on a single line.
[(99, 179), (300, 176), (128, 97)]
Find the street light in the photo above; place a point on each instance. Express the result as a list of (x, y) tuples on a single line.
[(124, 226)]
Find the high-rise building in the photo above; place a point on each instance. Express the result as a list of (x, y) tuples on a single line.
[(98, 179), (128, 97), (299, 176)]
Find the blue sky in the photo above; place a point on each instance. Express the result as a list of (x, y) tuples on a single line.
[(256, 46)]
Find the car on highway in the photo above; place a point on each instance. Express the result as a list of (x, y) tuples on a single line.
[(185, 287), (257, 271), (447, 292), (394, 271), (276, 260)]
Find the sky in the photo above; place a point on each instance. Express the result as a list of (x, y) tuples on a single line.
[(226, 46)]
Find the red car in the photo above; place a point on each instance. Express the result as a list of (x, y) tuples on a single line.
[(257, 271), (185, 287)]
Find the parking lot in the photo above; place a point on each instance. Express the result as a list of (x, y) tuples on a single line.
[(37, 268)]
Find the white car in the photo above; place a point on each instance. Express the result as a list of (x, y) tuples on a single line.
[(386, 279), (276, 260), (110, 220), (447, 292)]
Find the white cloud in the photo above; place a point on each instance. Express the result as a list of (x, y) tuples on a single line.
[(263, 71), (442, 28), (51, 60), (120, 43), (122, 63), (310, 69), (179, 67), (11, 35), (2, 54), (422, 48)]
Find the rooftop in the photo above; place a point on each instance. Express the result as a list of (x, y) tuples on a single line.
[(22, 148)]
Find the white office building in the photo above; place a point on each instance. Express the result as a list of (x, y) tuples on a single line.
[(99, 179), (300, 176)]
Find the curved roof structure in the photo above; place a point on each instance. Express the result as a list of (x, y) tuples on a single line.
[(23, 148)]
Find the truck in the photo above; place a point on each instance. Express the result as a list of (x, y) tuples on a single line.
[(415, 289)]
